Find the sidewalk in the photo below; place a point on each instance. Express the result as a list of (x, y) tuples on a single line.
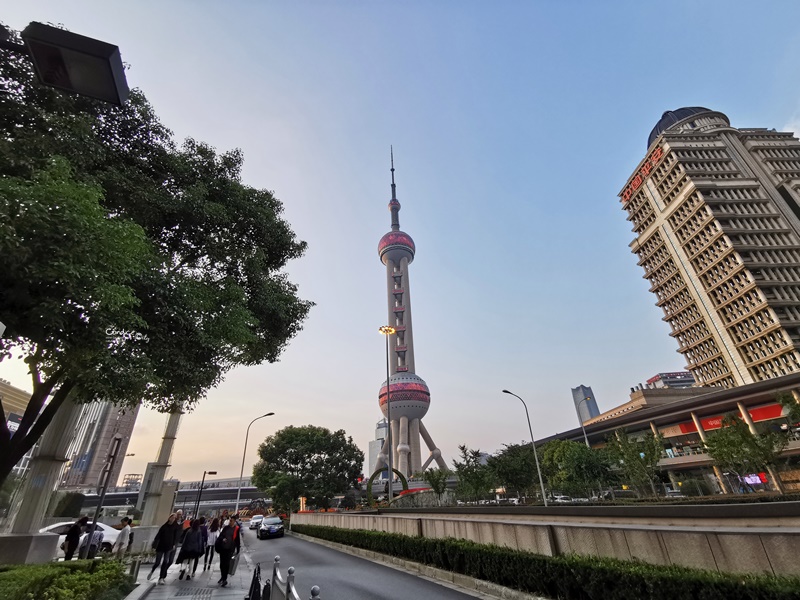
[(203, 586)]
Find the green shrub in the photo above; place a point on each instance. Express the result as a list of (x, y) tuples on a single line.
[(74, 580), (565, 577)]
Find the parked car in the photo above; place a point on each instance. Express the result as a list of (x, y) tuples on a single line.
[(675, 494), (270, 527), (255, 521), (60, 529), (562, 499)]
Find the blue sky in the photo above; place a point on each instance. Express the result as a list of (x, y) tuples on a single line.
[(514, 125)]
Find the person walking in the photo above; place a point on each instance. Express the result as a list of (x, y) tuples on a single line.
[(121, 544), (74, 537), (164, 545), (213, 534), (90, 548), (227, 545), (191, 550)]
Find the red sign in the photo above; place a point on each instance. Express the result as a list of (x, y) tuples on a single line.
[(762, 413), (643, 173)]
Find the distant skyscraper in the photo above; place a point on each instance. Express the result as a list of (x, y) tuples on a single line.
[(585, 404), (376, 445), (409, 394), (716, 214)]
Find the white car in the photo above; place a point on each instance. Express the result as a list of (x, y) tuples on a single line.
[(562, 499), (255, 521), (60, 529)]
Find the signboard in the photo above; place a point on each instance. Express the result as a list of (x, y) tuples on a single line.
[(643, 173), (13, 422), (761, 413)]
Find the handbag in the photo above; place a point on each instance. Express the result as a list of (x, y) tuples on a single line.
[(63, 546), (234, 563)]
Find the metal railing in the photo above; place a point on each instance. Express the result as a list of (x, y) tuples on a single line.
[(277, 588)]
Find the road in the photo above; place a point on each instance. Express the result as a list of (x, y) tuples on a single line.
[(341, 576)]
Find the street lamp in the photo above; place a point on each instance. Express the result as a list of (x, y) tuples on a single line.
[(200, 491), (244, 454), (72, 62), (387, 330), (533, 444), (580, 419)]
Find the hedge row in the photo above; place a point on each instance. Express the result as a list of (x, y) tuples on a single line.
[(565, 577), (73, 580)]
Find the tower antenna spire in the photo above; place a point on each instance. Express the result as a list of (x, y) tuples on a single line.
[(394, 205), (394, 191)]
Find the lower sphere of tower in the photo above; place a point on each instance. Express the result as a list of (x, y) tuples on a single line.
[(409, 395)]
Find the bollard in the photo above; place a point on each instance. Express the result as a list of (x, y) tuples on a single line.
[(135, 564), (315, 593)]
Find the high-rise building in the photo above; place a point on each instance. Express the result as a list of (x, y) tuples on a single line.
[(376, 445), (407, 393), (716, 214), (585, 403), (98, 423)]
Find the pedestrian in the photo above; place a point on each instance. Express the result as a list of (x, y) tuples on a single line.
[(89, 548), (74, 537), (191, 550), (121, 545), (227, 545), (213, 534), (164, 545)]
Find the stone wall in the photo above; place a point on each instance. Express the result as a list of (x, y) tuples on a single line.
[(717, 547)]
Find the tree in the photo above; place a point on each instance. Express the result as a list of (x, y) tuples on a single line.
[(514, 468), (475, 479), (572, 467), (735, 449), (437, 479), (134, 269), (310, 461), (637, 458)]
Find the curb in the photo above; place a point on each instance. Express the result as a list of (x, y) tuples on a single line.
[(140, 591), (464, 583)]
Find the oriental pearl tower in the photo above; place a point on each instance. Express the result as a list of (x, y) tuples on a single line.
[(408, 392)]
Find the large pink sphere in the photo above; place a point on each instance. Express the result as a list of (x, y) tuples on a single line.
[(410, 396), (395, 246)]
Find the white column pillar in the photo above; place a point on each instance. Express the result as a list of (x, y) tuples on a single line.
[(403, 447), (413, 441)]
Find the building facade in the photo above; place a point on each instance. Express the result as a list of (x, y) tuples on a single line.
[(680, 379), (376, 445), (716, 215), (98, 423), (405, 391)]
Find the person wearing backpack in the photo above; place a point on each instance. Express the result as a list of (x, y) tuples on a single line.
[(227, 544)]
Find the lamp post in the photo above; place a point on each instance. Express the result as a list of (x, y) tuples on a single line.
[(580, 420), (72, 62), (533, 445), (244, 454), (387, 330), (200, 491)]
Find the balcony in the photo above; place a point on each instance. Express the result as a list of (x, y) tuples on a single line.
[(398, 291), (399, 309)]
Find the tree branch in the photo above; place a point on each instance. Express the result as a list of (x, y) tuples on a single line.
[(38, 398), (28, 441)]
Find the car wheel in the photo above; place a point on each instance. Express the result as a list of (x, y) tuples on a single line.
[(105, 547)]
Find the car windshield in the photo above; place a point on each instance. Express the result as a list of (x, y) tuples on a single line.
[(273, 521), (257, 518)]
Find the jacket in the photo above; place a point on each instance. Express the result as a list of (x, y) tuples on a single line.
[(166, 538), (192, 545)]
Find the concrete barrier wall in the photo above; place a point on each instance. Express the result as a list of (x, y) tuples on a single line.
[(771, 550), (27, 548)]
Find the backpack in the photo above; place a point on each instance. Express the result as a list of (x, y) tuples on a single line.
[(224, 542)]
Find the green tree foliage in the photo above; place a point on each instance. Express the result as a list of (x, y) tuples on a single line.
[(475, 479), (573, 468), (307, 461), (636, 458), (735, 449), (134, 269), (437, 480), (514, 468)]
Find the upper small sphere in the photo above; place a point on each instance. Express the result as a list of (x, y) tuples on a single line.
[(410, 396), (395, 246)]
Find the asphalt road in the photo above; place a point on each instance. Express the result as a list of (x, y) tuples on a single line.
[(341, 576)]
